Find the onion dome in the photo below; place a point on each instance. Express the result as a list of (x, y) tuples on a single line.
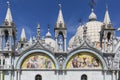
[(92, 16)]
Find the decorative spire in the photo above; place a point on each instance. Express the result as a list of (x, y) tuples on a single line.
[(60, 15), (38, 32), (92, 16), (107, 17), (8, 17), (23, 35), (48, 35), (30, 41)]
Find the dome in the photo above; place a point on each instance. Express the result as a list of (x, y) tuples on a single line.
[(48, 34), (92, 16), (93, 29), (71, 41), (51, 42)]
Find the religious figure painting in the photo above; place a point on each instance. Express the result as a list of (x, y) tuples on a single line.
[(38, 62), (84, 61)]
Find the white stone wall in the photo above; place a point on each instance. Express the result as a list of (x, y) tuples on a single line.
[(66, 75), (91, 75), (46, 75)]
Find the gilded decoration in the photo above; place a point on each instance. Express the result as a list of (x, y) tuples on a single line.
[(38, 61), (84, 61)]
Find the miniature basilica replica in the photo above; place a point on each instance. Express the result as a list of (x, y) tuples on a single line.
[(91, 54)]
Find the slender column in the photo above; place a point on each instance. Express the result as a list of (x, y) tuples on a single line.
[(0, 42), (56, 45), (2, 60), (105, 45), (18, 75), (57, 75), (118, 75), (10, 44), (63, 75), (104, 75), (10, 66), (10, 60), (1, 75), (65, 44), (113, 76)]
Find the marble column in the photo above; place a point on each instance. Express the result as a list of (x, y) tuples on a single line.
[(10, 44), (2, 65), (113, 75), (56, 44), (104, 75), (65, 45), (19, 75), (105, 45), (1, 75), (0, 42)]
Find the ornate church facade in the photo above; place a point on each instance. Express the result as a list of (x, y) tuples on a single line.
[(92, 53)]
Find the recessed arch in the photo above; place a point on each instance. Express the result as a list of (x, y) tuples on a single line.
[(38, 77), (104, 66), (84, 77), (22, 58)]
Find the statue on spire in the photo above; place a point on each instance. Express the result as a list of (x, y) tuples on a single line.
[(92, 4), (38, 32)]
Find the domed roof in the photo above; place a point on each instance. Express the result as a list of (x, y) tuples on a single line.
[(93, 29), (48, 34), (92, 16), (51, 42), (71, 41)]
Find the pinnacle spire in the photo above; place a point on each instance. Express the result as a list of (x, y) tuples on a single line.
[(30, 41), (60, 15), (8, 17), (23, 35), (107, 17)]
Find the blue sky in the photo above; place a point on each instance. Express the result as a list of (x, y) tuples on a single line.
[(28, 13)]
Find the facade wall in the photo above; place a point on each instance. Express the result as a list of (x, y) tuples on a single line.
[(30, 75), (62, 75), (91, 75)]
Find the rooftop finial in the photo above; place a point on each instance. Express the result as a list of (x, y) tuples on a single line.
[(60, 15), (8, 17), (60, 6), (8, 3), (92, 4), (48, 35), (106, 6), (48, 27)]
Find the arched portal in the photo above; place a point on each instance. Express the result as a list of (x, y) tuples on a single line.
[(83, 77), (38, 77)]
